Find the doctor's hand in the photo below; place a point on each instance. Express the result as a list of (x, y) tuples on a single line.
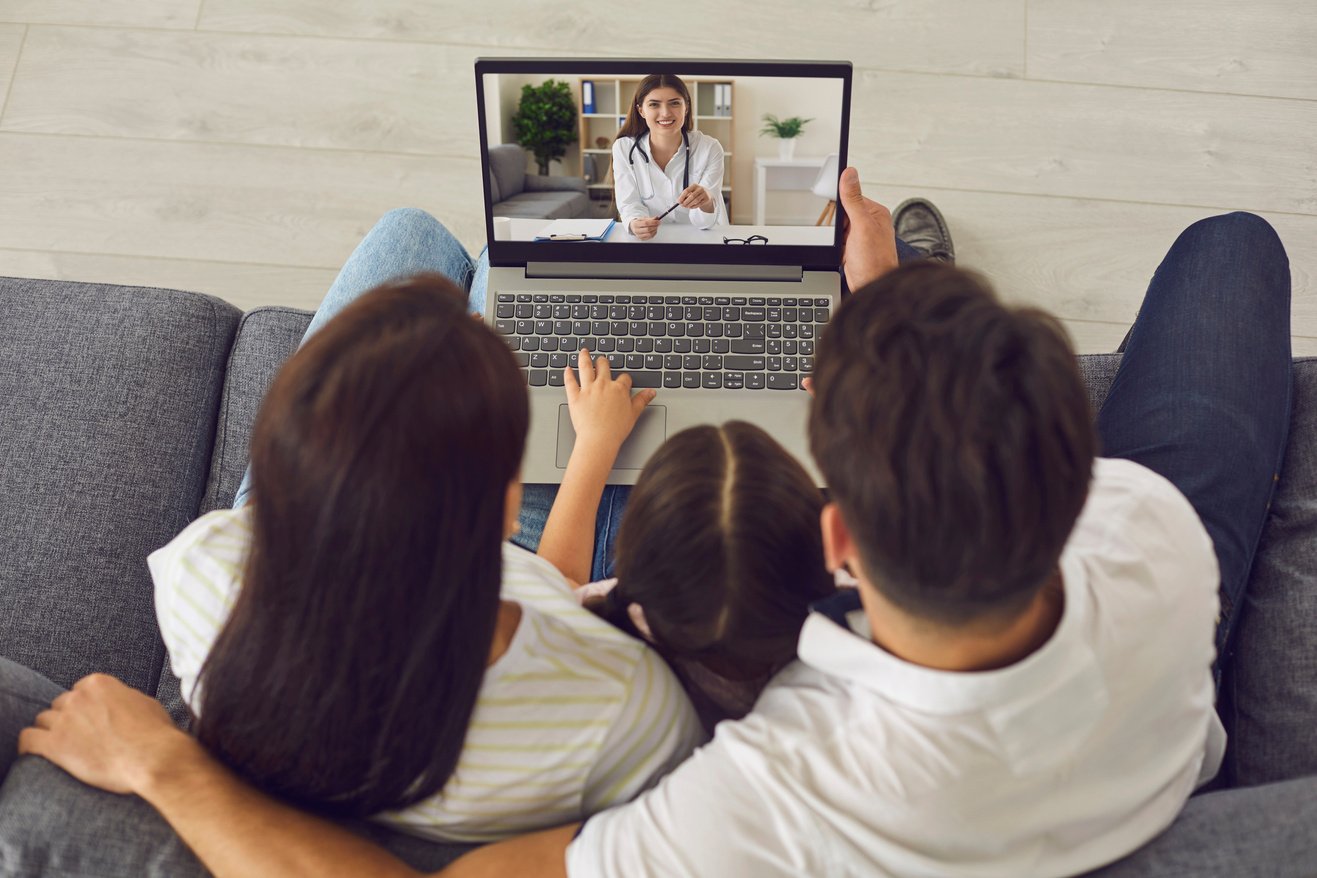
[(645, 228), (869, 243), (696, 197), (602, 408), (106, 734)]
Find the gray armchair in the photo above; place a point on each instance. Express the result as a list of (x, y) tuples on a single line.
[(515, 193)]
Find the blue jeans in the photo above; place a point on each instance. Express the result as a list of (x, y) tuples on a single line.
[(1202, 395), (408, 241)]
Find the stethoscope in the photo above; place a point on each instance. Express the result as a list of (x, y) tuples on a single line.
[(648, 184)]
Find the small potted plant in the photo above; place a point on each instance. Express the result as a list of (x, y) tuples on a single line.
[(545, 121), (786, 131)]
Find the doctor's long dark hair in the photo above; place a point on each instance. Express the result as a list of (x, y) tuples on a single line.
[(348, 670), (635, 124)]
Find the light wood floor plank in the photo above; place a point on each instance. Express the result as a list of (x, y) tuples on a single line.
[(1267, 47), (300, 208), (11, 41), (247, 286), (130, 13), (1088, 141), (378, 96), (1086, 260), (983, 37)]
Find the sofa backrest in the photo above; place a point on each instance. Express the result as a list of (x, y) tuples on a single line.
[(108, 398), (507, 162)]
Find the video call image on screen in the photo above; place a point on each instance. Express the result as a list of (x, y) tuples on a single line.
[(663, 158)]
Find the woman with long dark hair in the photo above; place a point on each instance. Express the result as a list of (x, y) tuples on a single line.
[(360, 638), (660, 161)]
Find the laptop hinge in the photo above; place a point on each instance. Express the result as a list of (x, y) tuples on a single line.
[(663, 271)]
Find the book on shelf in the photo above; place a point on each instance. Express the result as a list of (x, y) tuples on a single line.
[(587, 96)]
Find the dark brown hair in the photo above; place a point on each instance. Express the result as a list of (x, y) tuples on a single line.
[(956, 437), (347, 673), (720, 545), (635, 124)]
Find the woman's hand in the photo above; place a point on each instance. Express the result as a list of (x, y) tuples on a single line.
[(105, 734), (602, 408), (645, 228), (696, 197)]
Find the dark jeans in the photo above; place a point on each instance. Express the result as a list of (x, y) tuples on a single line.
[(1202, 395)]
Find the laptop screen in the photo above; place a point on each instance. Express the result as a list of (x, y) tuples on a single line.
[(663, 161)]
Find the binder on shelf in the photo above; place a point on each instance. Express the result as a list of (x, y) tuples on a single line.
[(587, 96)]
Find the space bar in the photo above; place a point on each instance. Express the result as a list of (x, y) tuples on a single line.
[(645, 379)]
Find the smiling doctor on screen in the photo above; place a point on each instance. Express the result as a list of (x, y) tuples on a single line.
[(658, 161)]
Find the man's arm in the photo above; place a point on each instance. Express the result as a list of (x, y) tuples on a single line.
[(114, 737)]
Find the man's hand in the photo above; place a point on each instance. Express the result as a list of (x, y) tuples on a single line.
[(696, 197), (869, 248), (603, 410), (645, 228), (105, 734)]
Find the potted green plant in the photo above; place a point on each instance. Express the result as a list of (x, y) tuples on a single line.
[(786, 131), (545, 121)]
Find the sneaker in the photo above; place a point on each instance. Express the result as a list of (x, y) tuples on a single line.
[(920, 224)]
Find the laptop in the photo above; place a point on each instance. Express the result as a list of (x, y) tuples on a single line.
[(722, 307)]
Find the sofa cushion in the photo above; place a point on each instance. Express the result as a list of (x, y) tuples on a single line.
[(108, 397), (545, 205), (266, 337), (507, 162), (1271, 689)]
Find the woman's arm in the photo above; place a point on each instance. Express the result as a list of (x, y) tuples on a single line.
[(709, 158), (603, 414), (630, 206)]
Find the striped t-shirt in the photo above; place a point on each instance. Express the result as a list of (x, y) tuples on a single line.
[(573, 718)]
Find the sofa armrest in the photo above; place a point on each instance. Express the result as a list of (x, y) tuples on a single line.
[(537, 183)]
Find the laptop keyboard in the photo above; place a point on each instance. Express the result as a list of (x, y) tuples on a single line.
[(693, 342)]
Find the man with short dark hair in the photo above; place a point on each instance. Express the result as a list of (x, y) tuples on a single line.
[(1021, 682)]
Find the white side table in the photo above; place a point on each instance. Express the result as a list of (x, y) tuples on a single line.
[(794, 173)]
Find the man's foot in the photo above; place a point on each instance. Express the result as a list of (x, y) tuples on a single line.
[(920, 224)]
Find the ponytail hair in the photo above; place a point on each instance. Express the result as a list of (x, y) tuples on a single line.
[(635, 125), (745, 515)]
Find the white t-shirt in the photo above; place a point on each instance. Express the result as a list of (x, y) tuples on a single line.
[(573, 718), (706, 169), (855, 762)]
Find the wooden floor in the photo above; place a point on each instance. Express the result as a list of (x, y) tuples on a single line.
[(242, 147)]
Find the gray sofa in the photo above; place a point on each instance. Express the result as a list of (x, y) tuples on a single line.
[(515, 193), (125, 413)]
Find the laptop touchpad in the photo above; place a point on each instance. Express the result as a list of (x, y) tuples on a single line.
[(650, 432)]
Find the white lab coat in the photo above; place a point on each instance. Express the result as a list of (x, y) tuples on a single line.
[(706, 157)]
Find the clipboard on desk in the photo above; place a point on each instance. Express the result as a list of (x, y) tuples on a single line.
[(576, 230)]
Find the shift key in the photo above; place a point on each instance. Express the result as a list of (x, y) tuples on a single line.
[(745, 364), (748, 346)]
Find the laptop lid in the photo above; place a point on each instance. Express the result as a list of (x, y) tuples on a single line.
[(573, 112)]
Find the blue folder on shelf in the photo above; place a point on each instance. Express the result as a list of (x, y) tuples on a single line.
[(576, 230)]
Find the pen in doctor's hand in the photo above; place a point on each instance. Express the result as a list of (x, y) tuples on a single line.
[(668, 211)]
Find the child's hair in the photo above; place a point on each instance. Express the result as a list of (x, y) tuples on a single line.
[(956, 438), (347, 673), (720, 546), (635, 124)]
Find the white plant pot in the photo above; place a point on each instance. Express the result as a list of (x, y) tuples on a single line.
[(786, 148)]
